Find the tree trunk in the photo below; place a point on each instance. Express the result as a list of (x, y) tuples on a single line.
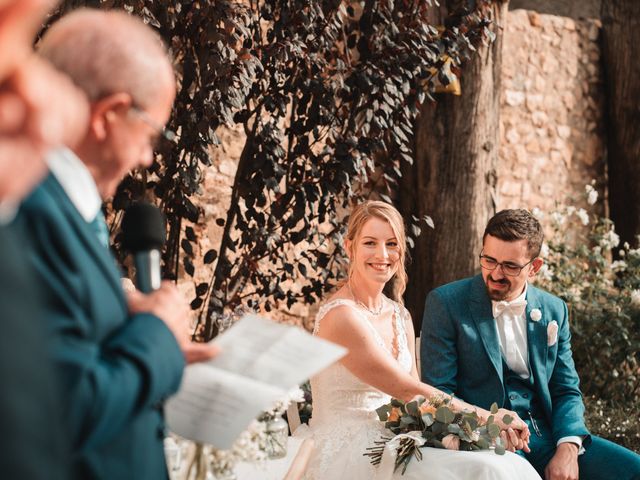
[(453, 177), (621, 50)]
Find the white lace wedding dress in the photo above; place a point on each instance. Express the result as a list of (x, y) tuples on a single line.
[(345, 423)]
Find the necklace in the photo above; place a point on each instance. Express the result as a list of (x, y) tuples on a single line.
[(373, 311)]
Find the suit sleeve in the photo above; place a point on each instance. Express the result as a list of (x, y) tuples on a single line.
[(438, 356), (564, 388), (108, 383)]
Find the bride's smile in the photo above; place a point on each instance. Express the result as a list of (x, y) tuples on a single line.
[(376, 252)]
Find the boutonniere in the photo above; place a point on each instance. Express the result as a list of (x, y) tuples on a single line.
[(552, 333), (536, 315)]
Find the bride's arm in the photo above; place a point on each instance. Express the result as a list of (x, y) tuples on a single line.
[(375, 367)]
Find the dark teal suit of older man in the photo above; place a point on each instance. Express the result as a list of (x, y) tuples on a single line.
[(460, 354), (115, 369)]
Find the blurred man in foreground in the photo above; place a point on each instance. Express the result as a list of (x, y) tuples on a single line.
[(35, 102), (119, 357)]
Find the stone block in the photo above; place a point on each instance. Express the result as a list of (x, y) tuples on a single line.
[(510, 188), (539, 118), (534, 101), (512, 136), (564, 131), (514, 98), (534, 19)]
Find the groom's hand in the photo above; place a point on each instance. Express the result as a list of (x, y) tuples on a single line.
[(564, 464), (515, 440)]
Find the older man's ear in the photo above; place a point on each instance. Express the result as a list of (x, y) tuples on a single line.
[(105, 111)]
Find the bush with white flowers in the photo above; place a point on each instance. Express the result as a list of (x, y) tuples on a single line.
[(600, 280)]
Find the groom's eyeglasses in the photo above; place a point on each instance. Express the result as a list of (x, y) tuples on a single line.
[(508, 268)]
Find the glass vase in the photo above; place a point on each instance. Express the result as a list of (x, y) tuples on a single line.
[(277, 437)]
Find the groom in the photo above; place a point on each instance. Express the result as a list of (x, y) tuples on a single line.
[(496, 338)]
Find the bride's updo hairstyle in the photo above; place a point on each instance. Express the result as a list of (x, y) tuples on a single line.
[(374, 208)]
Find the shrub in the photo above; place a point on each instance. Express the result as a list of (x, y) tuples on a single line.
[(600, 281)]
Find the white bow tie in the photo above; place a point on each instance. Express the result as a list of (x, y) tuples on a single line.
[(515, 308)]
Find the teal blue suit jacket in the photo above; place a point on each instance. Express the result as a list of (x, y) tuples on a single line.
[(33, 444), (115, 369), (460, 352)]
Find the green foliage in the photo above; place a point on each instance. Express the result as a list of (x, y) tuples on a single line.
[(603, 296), (433, 424), (327, 93)]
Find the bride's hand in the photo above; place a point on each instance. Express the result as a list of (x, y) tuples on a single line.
[(516, 422)]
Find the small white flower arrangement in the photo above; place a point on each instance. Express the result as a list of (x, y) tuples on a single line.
[(536, 315)]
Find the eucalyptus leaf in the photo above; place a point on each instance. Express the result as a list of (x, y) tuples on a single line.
[(445, 414)]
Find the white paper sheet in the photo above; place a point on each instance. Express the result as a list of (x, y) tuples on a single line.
[(259, 362)]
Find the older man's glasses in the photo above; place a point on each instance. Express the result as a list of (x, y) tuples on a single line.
[(508, 268), (162, 132)]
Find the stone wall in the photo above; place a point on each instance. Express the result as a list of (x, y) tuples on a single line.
[(578, 9), (551, 115)]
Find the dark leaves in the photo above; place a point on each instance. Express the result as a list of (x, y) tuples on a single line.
[(327, 103), (210, 257)]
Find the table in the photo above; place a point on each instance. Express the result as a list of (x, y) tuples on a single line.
[(290, 467)]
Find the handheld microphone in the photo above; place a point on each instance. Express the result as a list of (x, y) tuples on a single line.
[(144, 235)]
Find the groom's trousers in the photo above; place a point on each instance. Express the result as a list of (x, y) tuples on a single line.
[(601, 460)]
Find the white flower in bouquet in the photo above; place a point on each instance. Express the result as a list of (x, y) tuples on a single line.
[(474, 436), (451, 442)]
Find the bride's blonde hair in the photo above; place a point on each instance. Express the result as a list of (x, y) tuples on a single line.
[(374, 208)]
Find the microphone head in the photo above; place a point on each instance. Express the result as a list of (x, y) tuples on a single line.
[(143, 228)]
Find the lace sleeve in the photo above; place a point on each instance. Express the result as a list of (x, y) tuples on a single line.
[(324, 309)]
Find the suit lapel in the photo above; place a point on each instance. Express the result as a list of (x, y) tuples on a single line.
[(536, 337), (485, 323), (100, 254)]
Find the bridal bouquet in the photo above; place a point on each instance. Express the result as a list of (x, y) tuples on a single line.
[(421, 423)]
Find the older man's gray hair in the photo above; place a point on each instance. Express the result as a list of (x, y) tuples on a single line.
[(107, 52)]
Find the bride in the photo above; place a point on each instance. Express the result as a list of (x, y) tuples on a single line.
[(378, 332)]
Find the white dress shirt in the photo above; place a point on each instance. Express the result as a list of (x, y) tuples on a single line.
[(512, 334), (511, 326), (76, 181)]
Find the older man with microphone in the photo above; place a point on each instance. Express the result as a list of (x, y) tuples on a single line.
[(119, 357)]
